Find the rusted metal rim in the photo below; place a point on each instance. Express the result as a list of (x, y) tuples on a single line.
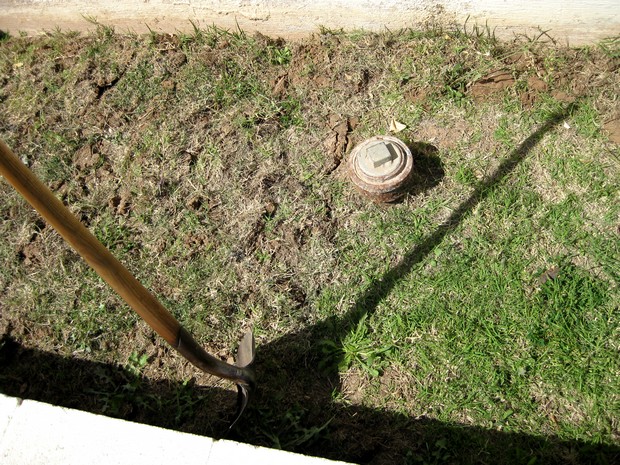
[(380, 167)]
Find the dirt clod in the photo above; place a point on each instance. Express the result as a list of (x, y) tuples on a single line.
[(270, 209), (32, 253), (612, 129), (121, 204), (281, 83), (534, 83), (85, 157), (168, 84), (177, 59), (338, 141), (492, 83)]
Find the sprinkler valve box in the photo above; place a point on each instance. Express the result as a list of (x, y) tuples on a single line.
[(380, 167)]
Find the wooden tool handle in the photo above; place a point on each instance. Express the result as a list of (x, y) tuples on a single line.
[(87, 245), (110, 269)]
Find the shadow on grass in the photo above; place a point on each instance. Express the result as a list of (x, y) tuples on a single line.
[(427, 169), (354, 433), (295, 407), (110, 390), (290, 380)]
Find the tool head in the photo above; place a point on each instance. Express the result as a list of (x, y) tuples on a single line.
[(245, 359), (246, 351)]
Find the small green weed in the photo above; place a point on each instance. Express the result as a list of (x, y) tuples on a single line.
[(289, 431), (114, 236), (357, 349), (436, 454), (280, 55), (136, 363)]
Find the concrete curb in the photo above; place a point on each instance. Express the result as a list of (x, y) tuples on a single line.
[(575, 21), (35, 433)]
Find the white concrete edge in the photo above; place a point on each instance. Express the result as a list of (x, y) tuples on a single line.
[(573, 21), (35, 433), (8, 405)]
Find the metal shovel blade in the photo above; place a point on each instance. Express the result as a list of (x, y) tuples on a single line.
[(246, 351), (245, 359)]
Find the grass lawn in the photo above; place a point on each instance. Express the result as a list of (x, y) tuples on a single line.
[(476, 321)]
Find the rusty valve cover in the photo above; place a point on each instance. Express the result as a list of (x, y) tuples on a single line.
[(380, 167)]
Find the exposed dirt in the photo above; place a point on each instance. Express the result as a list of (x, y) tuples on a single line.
[(492, 83), (612, 129), (338, 143)]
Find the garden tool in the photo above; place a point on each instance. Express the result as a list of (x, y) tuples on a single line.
[(125, 284)]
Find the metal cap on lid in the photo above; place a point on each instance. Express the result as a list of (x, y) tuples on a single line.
[(380, 159), (380, 167)]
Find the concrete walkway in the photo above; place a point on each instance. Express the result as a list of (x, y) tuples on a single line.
[(574, 21), (34, 433)]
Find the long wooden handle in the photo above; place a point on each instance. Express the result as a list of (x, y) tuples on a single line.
[(111, 270)]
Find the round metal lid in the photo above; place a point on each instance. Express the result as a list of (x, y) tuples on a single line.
[(380, 158), (381, 166)]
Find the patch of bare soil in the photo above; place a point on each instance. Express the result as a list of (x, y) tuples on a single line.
[(496, 82), (612, 129), (338, 143), (492, 83), (527, 73), (443, 136)]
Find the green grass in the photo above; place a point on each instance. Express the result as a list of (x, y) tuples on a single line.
[(421, 332)]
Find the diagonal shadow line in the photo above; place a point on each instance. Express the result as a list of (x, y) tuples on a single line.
[(299, 345), (287, 367), (369, 300)]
